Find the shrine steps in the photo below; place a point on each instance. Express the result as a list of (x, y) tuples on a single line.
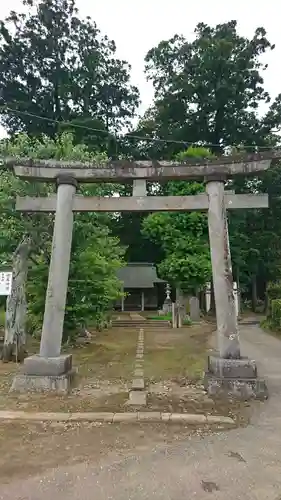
[(146, 324)]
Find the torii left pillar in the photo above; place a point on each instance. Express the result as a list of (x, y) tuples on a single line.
[(50, 370)]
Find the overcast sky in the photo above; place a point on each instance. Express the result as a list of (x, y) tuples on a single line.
[(136, 26)]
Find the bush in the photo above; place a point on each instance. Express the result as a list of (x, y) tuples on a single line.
[(276, 314), (273, 292), (93, 286)]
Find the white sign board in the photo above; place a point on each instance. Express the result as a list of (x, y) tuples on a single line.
[(6, 278)]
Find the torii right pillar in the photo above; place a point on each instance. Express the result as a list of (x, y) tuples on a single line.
[(228, 372)]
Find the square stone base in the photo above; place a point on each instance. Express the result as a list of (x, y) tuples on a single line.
[(232, 368), (234, 378), (38, 365), (243, 389), (60, 384)]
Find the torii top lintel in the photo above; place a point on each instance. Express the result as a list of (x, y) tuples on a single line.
[(126, 171)]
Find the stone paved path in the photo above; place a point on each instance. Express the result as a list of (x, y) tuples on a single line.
[(240, 464)]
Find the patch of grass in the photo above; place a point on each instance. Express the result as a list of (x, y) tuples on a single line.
[(167, 317), (174, 363), (270, 328), (109, 357), (177, 353)]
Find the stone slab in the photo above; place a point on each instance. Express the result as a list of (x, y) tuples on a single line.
[(139, 366), (153, 416), (188, 418), (138, 384), (139, 355), (38, 365), (125, 417), (101, 416), (137, 416), (60, 384), (165, 417), (137, 398), (232, 368), (138, 373), (243, 389), (194, 309)]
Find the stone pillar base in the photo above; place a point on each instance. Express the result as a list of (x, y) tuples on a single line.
[(39, 374), (234, 378)]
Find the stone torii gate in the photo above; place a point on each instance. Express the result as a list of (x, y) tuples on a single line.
[(228, 371)]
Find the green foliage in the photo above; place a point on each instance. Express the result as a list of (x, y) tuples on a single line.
[(275, 319), (56, 65), (273, 292), (208, 90), (96, 255), (183, 237), (167, 317)]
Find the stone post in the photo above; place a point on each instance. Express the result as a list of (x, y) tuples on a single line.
[(208, 297), (227, 327), (235, 291), (167, 306), (52, 331), (174, 315), (142, 300), (228, 373), (51, 371), (139, 187)]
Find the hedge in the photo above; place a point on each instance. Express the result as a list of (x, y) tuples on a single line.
[(273, 292), (276, 313)]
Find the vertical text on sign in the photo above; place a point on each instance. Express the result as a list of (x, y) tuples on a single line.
[(6, 278)]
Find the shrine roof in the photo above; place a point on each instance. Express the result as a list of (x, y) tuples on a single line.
[(139, 275)]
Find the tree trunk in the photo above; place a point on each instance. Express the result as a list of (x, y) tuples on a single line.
[(254, 294), (15, 335), (266, 309)]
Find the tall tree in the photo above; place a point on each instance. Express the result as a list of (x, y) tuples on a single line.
[(207, 91), (55, 65)]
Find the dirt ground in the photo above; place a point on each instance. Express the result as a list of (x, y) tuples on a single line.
[(174, 362), (26, 449)]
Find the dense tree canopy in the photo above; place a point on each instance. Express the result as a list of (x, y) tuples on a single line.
[(208, 91), (58, 66)]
